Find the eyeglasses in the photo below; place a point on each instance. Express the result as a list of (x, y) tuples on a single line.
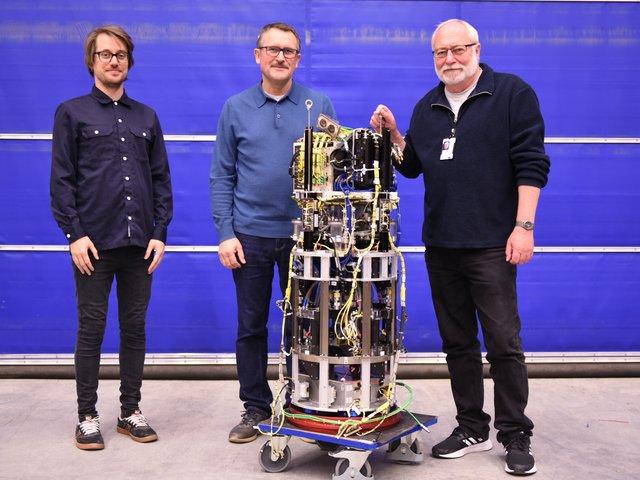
[(275, 51), (106, 56), (457, 51)]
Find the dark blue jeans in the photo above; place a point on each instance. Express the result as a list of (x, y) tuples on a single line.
[(468, 285), (129, 268), (253, 291)]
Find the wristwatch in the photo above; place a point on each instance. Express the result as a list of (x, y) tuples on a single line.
[(527, 225)]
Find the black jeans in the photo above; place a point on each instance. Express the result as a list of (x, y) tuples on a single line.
[(468, 285), (253, 291), (129, 268)]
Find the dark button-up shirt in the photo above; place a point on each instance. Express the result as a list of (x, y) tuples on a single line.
[(110, 176)]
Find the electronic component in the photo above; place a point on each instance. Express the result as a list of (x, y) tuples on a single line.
[(342, 300), (344, 271)]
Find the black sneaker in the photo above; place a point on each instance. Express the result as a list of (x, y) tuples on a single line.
[(519, 459), (88, 435), (459, 443), (244, 431), (136, 426)]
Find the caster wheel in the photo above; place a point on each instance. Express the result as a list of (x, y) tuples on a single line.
[(343, 465), (267, 463), (327, 446), (405, 453), (415, 446), (393, 445)]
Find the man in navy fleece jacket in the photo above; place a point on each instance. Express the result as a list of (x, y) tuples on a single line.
[(478, 140)]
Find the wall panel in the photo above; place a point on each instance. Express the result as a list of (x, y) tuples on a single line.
[(190, 56)]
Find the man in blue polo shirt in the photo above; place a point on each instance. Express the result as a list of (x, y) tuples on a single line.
[(251, 202)]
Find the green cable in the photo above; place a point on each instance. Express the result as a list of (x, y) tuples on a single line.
[(304, 416)]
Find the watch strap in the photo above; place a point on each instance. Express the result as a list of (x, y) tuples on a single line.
[(527, 225)]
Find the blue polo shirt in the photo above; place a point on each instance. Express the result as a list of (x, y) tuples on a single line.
[(250, 185)]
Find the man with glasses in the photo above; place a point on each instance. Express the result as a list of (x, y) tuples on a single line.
[(111, 196), (252, 205), (478, 140)]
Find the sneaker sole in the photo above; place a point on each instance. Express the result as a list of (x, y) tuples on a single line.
[(150, 438), (478, 447), (90, 446), (243, 440), (531, 471)]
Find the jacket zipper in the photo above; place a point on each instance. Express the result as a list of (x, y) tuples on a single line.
[(454, 121)]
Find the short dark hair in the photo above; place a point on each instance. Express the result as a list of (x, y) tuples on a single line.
[(285, 27), (112, 30)]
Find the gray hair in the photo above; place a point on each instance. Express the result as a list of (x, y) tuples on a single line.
[(473, 33)]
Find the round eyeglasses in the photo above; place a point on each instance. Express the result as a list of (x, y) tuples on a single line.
[(106, 56), (288, 53), (457, 50)]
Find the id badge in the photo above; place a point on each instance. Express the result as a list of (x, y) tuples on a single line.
[(447, 148)]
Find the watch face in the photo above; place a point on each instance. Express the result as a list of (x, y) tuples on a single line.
[(528, 225)]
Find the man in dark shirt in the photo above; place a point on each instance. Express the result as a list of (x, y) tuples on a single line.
[(478, 140), (111, 196)]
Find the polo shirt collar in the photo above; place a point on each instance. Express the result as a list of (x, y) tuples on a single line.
[(261, 98)]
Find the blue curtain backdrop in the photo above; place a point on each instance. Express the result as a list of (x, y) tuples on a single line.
[(581, 58)]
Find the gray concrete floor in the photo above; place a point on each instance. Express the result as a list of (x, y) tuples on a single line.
[(585, 429)]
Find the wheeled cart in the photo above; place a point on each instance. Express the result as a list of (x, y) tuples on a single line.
[(352, 452)]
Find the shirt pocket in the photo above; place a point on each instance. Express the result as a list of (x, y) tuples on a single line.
[(97, 142), (142, 141)]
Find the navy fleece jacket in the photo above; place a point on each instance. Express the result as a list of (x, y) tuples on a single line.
[(471, 200)]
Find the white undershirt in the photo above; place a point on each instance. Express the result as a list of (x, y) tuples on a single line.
[(277, 98), (457, 99)]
